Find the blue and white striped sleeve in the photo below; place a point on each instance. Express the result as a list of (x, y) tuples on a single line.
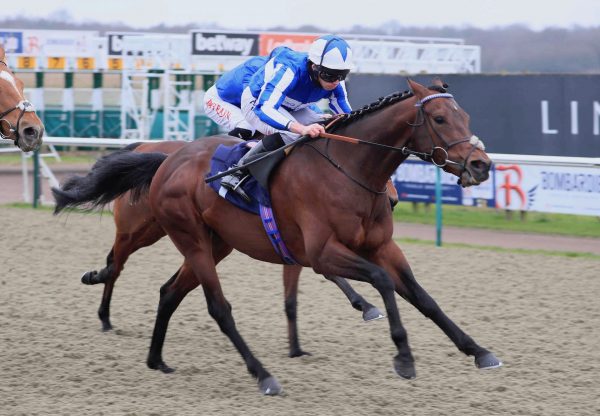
[(338, 101), (271, 97)]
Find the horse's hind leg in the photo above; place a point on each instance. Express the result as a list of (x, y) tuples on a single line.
[(171, 295), (107, 276), (126, 243), (369, 312), (409, 289), (194, 241)]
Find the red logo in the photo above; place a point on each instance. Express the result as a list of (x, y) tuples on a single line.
[(511, 185), (217, 108)]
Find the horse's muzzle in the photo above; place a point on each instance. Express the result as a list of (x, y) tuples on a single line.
[(30, 136), (476, 172)]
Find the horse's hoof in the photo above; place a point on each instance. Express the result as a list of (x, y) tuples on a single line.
[(372, 314), (106, 327), (488, 360), (298, 353), (161, 366), (405, 369), (87, 277), (270, 386)]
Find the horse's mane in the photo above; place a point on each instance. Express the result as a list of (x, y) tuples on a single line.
[(382, 102)]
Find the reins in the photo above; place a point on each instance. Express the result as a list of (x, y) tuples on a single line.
[(24, 106)]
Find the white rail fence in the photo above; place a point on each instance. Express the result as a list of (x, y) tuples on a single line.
[(581, 175)]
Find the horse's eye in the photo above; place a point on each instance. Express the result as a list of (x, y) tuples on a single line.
[(439, 119)]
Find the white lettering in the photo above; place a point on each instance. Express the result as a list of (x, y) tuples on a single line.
[(545, 120), (222, 43), (574, 118), (570, 182), (596, 117)]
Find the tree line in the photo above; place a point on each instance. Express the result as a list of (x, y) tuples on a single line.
[(509, 49)]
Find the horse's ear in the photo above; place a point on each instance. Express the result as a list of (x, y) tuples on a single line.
[(2, 53), (417, 89)]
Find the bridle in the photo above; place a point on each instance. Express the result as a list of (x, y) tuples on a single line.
[(24, 106), (420, 120)]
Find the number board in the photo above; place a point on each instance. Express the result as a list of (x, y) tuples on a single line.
[(116, 64), (26, 62), (57, 62), (86, 63)]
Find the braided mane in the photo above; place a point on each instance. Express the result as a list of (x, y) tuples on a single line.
[(382, 102)]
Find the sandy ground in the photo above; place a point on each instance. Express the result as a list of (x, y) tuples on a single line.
[(539, 314)]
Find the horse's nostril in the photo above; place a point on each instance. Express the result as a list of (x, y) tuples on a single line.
[(30, 132), (479, 166)]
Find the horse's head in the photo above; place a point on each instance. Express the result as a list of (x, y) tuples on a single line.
[(18, 120), (442, 133)]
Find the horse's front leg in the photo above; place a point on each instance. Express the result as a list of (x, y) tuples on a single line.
[(391, 258), (291, 275), (369, 312), (337, 260)]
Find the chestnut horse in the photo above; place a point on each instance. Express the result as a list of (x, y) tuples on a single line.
[(333, 217), (136, 228), (18, 121)]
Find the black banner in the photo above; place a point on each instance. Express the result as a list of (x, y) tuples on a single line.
[(219, 43), (115, 43), (552, 115)]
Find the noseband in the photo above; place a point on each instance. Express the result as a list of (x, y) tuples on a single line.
[(25, 107), (441, 152)]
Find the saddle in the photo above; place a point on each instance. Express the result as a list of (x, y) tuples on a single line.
[(257, 185)]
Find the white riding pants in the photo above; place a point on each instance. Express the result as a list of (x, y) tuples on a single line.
[(224, 113)]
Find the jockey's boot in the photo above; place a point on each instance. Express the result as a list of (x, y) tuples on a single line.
[(241, 133), (234, 180)]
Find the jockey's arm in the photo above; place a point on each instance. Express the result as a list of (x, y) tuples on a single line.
[(338, 101), (312, 130), (270, 100)]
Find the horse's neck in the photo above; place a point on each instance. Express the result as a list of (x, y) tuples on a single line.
[(390, 126)]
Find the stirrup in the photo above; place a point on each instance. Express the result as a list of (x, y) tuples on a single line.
[(237, 186)]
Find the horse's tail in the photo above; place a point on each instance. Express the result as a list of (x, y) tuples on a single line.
[(110, 177)]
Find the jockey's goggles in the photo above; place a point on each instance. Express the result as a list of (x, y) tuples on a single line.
[(331, 75)]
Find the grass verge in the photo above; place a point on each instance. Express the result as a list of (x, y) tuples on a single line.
[(488, 218)]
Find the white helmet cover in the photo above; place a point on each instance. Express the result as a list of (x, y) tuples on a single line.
[(331, 52)]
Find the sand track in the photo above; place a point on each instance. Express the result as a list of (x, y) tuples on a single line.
[(539, 314)]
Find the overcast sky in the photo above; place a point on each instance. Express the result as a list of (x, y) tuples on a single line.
[(332, 15)]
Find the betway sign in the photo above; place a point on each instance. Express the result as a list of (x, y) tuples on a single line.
[(235, 44)]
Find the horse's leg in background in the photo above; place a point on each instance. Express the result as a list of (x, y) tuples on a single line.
[(369, 312), (336, 259), (135, 230), (393, 260), (171, 295), (291, 274)]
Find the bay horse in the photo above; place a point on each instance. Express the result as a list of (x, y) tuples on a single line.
[(137, 228), (18, 120), (333, 217)]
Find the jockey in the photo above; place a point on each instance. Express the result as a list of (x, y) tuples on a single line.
[(222, 100), (279, 100)]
